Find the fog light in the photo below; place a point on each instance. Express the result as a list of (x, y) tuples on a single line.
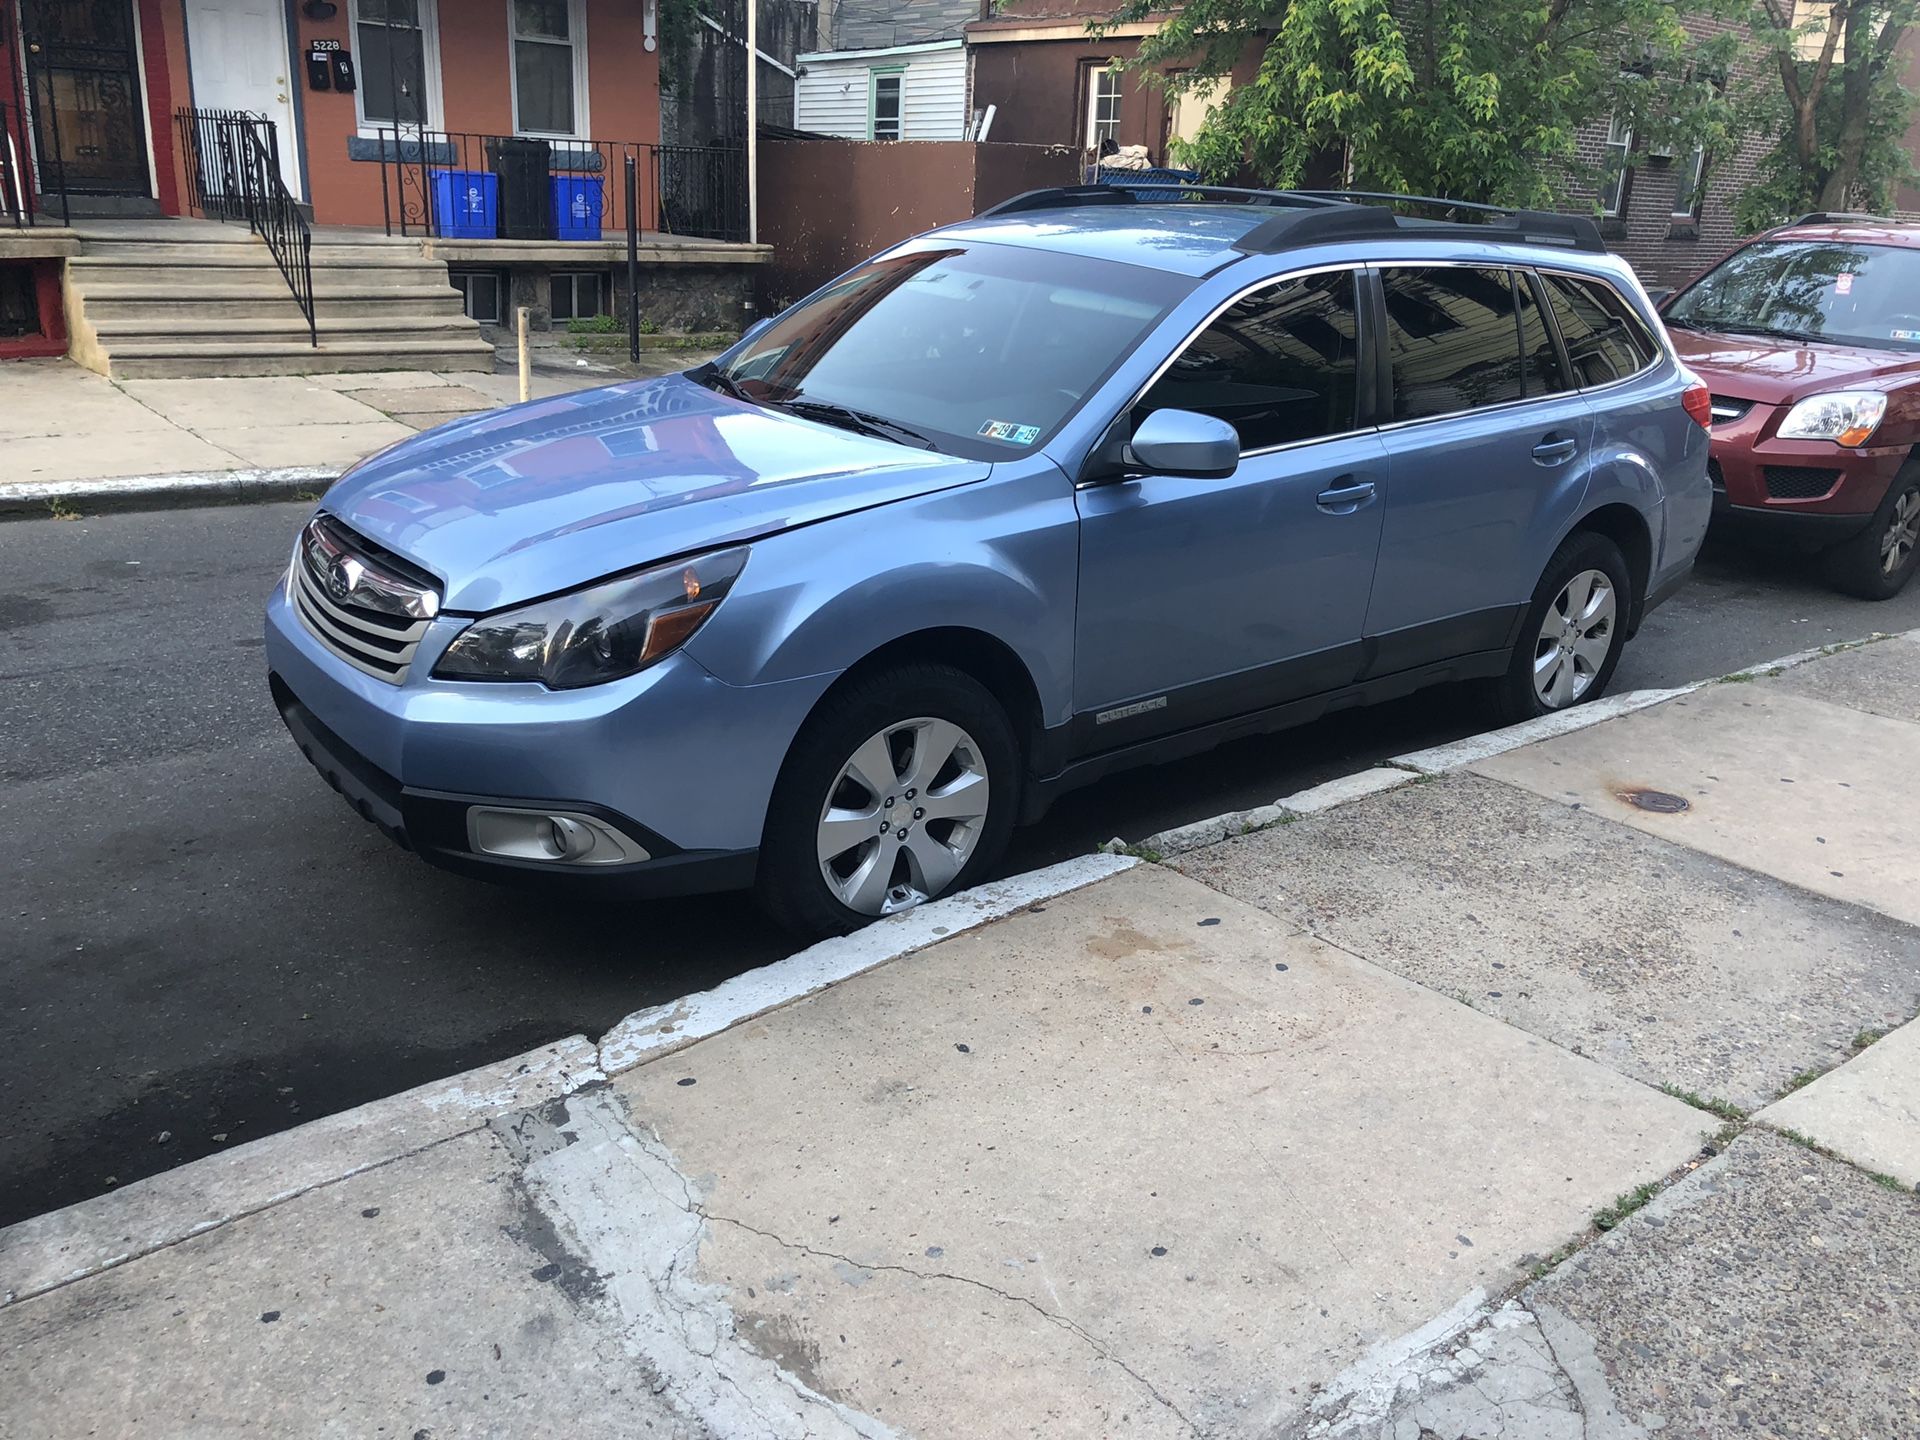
[(553, 837)]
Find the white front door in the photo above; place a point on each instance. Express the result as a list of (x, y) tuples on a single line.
[(238, 50)]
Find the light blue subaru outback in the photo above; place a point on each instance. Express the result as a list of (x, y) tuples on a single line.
[(1096, 479)]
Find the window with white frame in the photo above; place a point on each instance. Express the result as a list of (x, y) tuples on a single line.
[(1688, 182), (481, 294), (1613, 183), (395, 44), (884, 104), (1103, 106), (578, 295), (549, 42)]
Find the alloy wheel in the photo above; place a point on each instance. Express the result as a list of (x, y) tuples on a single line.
[(1575, 638), (1902, 533), (904, 816)]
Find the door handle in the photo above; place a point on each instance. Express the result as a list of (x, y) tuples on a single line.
[(1555, 452), (1344, 499)]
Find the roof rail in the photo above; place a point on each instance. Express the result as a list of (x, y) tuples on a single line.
[(1058, 197), (1323, 215), (1840, 217), (1536, 227)]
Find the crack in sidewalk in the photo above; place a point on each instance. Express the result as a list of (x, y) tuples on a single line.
[(1061, 1321)]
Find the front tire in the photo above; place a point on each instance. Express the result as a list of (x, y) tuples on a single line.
[(1877, 563), (1574, 632), (901, 787)]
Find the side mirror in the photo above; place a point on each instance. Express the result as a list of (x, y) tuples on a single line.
[(1660, 297), (1180, 442)]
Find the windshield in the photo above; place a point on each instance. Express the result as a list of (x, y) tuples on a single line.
[(1834, 290), (979, 351)]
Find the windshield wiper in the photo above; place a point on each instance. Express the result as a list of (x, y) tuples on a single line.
[(714, 378), (1772, 332), (847, 418)]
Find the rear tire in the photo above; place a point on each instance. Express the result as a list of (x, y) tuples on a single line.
[(1573, 634), (901, 787), (1877, 563)]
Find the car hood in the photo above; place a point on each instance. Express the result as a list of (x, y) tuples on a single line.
[(1778, 372), (523, 502)]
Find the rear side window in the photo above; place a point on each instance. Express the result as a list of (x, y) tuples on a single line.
[(1606, 340), (1453, 338), (1280, 365)]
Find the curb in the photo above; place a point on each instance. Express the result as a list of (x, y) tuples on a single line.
[(62, 1246), (39, 500), (1455, 755)]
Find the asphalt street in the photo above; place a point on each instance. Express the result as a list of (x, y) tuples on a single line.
[(202, 945)]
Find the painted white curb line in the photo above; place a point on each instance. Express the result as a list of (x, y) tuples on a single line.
[(54, 1249), (1457, 754), (49, 1250), (649, 1034), (150, 492)]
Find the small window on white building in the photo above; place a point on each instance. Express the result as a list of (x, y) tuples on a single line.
[(884, 109), (1103, 106), (1613, 183), (547, 84)]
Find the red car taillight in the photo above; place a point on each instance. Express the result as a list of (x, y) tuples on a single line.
[(1697, 401)]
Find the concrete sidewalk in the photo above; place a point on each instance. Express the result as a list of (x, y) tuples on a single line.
[(65, 429), (1465, 1100)]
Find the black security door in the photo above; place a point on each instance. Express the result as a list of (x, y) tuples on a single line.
[(84, 87)]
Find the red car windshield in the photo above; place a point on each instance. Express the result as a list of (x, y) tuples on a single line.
[(1834, 290)]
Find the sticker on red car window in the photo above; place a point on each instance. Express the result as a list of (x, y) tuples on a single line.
[(1903, 334), (1013, 434), (1843, 283)]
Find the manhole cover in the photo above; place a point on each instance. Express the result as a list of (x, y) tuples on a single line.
[(1660, 802)]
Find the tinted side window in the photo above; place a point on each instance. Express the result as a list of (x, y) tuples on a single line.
[(1453, 339), (1605, 339), (1279, 366), (1544, 375)]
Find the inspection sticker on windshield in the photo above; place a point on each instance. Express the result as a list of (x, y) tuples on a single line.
[(1905, 334), (1843, 283), (1009, 432)]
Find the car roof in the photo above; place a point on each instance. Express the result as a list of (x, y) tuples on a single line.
[(1194, 230), (1879, 232), (1190, 240)]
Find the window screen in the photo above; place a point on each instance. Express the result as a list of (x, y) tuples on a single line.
[(578, 296), (1453, 339), (1279, 366), (1605, 339), (1543, 372), (393, 72)]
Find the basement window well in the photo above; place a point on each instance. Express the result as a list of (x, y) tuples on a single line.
[(579, 295)]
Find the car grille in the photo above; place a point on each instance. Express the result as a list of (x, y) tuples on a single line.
[(1726, 408), (367, 606), (1798, 482)]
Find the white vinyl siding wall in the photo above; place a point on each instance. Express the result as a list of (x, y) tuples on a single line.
[(832, 96)]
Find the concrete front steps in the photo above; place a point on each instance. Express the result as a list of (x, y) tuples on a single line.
[(146, 305)]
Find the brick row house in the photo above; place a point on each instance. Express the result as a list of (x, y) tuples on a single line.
[(489, 136)]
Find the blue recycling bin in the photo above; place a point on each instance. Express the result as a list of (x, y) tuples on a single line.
[(466, 204), (579, 201)]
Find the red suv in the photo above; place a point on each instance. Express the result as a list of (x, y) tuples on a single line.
[(1809, 338)]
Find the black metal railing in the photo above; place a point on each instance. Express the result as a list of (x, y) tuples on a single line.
[(20, 202), (460, 184), (233, 173)]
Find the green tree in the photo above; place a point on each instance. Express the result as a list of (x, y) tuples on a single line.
[(1835, 100), (1471, 99)]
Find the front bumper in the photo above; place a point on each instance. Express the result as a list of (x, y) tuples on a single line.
[(680, 763), (1808, 490)]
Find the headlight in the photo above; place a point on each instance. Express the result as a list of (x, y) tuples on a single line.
[(597, 634), (1846, 416)]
